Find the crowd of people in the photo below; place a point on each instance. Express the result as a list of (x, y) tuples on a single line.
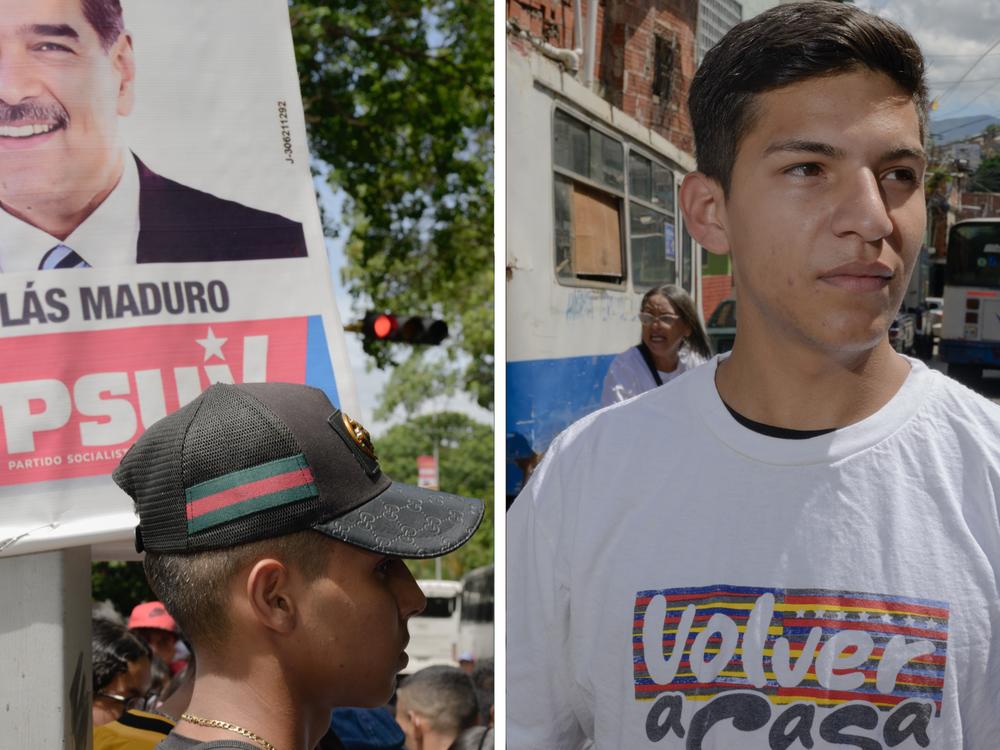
[(143, 678)]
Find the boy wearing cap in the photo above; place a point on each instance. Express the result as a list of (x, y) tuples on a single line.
[(151, 622), (275, 540), (796, 545)]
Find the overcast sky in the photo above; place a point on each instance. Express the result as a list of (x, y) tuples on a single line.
[(953, 34)]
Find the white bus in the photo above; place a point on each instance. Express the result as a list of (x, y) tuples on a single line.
[(475, 629), (434, 632), (592, 224), (970, 330)]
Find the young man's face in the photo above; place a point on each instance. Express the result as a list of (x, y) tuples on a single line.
[(825, 213), (162, 642), (61, 95), (357, 614)]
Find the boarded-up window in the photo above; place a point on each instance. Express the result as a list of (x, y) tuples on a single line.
[(612, 203), (597, 242)]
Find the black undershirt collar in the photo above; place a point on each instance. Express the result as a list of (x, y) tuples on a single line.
[(776, 432)]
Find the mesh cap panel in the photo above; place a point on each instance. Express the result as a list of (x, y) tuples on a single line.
[(235, 431), (252, 461)]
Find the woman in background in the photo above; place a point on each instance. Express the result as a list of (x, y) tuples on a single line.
[(121, 671), (673, 341)]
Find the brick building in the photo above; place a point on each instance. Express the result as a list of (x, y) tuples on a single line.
[(644, 61)]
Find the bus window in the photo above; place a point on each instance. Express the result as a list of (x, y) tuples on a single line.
[(974, 255), (439, 606), (651, 222), (589, 186)]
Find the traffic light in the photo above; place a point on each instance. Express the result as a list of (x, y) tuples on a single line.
[(410, 330)]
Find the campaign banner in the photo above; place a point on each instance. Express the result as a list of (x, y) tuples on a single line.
[(158, 233)]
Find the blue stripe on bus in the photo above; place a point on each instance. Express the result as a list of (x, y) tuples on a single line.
[(969, 352), (545, 396)]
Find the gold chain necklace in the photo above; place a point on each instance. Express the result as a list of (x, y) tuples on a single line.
[(229, 727)]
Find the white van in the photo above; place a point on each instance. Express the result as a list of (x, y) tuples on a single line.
[(434, 632)]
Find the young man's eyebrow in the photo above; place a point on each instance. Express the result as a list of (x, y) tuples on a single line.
[(812, 147), (63, 30), (833, 152), (905, 152)]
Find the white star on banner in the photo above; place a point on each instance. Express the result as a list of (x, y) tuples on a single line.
[(212, 345), (886, 618), (801, 613), (820, 613)]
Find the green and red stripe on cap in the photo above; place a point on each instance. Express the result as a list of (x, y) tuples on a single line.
[(247, 491)]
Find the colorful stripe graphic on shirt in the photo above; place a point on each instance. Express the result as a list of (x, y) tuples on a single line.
[(824, 647), (240, 493)]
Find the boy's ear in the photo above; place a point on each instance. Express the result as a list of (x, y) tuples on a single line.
[(417, 722), (704, 207), (271, 596)]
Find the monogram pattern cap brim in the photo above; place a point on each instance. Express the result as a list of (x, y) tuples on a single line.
[(408, 521)]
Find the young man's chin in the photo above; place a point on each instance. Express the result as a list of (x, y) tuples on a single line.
[(854, 341)]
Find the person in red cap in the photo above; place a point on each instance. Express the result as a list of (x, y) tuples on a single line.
[(152, 622)]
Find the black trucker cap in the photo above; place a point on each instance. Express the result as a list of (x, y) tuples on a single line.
[(259, 460)]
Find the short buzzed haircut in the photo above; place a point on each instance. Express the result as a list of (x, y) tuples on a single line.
[(445, 696), (785, 45), (106, 18), (195, 587)]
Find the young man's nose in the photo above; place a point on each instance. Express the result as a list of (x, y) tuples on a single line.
[(410, 598), (862, 209)]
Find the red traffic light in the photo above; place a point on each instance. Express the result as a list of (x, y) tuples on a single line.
[(412, 329), (383, 326)]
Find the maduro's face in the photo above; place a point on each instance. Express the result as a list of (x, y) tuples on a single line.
[(61, 94)]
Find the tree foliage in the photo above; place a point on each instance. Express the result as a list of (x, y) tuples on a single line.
[(398, 102), (121, 583), (465, 461), (987, 177)]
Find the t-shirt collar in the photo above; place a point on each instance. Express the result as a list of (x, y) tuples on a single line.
[(704, 399)]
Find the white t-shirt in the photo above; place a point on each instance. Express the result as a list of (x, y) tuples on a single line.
[(835, 587), (629, 374)]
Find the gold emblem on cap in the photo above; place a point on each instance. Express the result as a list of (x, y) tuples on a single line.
[(360, 435)]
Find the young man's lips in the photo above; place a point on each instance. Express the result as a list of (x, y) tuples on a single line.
[(859, 277), (858, 283)]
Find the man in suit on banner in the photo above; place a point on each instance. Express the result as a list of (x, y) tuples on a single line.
[(72, 196)]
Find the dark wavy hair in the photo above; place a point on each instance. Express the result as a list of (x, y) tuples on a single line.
[(114, 646), (106, 18), (785, 45), (684, 305)]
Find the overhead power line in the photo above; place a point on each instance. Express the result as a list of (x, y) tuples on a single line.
[(971, 67), (977, 96), (971, 80)]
